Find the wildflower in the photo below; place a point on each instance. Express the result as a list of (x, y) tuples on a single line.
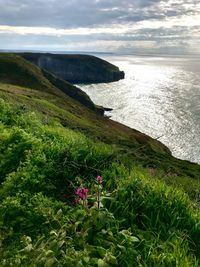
[(85, 191), (99, 179), (81, 196), (78, 191), (82, 193)]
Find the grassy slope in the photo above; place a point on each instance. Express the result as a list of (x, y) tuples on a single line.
[(17, 71), (47, 140), (51, 101)]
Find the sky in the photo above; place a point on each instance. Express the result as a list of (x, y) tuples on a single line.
[(121, 26)]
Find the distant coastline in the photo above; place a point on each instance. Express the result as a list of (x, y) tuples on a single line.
[(142, 54)]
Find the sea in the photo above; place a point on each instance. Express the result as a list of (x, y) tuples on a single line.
[(160, 96)]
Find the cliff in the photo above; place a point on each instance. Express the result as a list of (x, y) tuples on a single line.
[(76, 68), (17, 71)]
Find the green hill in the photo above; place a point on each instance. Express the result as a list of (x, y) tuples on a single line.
[(50, 144), (17, 71)]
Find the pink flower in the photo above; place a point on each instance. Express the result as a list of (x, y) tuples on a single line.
[(99, 179), (78, 191), (82, 193), (85, 191)]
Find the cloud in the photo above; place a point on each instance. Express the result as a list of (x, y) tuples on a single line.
[(88, 13), (109, 22)]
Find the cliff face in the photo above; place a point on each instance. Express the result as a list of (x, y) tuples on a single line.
[(76, 68)]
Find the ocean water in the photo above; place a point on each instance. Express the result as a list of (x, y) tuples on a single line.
[(160, 96)]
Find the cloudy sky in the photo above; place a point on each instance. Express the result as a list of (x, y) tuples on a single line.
[(124, 26)]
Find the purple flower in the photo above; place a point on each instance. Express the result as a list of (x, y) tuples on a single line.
[(99, 179), (85, 191), (82, 193), (78, 191)]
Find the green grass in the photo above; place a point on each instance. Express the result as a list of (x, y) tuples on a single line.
[(144, 222), (17, 71), (134, 145), (49, 145)]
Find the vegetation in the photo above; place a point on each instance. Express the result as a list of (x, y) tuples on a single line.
[(15, 70), (137, 205)]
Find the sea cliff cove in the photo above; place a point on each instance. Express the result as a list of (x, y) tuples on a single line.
[(99, 150)]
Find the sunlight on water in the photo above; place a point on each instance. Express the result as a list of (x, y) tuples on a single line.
[(160, 97)]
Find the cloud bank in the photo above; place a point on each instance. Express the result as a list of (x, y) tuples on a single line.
[(145, 26)]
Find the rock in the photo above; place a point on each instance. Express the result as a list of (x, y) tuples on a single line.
[(101, 110), (108, 109)]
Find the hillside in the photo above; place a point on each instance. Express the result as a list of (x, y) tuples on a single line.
[(17, 71), (76, 68), (51, 144)]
